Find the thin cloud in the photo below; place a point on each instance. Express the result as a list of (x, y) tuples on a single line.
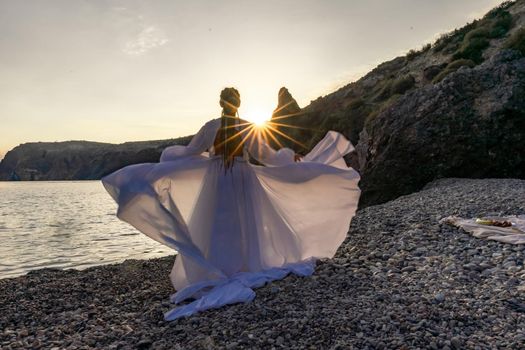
[(149, 38)]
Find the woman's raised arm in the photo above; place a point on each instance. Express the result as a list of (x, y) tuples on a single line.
[(201, 142)]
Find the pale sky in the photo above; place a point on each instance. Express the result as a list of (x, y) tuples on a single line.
[(116, 71)]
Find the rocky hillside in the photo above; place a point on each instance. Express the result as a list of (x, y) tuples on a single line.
[(472, 124), (357, 104), (77, 160), (454, 108)]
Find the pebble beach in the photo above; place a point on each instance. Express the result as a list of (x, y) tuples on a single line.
[(401, 280)]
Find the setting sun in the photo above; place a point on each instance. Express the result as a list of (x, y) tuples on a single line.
[(257, 115)]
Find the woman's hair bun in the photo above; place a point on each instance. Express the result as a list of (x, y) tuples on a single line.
[(230, 97)]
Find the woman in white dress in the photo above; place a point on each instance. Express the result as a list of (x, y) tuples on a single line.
[(235, 225)]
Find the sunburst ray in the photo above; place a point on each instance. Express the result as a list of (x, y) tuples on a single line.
[(276, 140), (288, 116), (237, 134), (283, 106), (286, 136), (243, 140), (291, 126)]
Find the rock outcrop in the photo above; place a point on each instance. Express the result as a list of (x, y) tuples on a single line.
[(472, 124), (283, 118), (287, 106)]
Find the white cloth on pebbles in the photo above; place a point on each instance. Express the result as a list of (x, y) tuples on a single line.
[(514, 234), (235, 289)]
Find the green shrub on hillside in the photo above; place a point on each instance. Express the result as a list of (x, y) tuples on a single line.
[(470, 41), (460, 63), (516, 41), (441, 42), (472, 49), (500, 16), (412, 54), (355, 104), (432, 71), (477, 33), (452, 67), (388, 87), (385, 88), (501, 25), (449, 42), (494, 25), (402, 84)]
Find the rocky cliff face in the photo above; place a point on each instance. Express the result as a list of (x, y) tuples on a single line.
[(471, 124), (77, 160)]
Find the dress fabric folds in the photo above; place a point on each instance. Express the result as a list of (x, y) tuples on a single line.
[(239, 228)]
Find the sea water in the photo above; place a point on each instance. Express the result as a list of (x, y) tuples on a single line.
[(65, 224)]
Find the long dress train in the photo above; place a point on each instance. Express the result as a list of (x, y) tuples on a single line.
[(240, 228)]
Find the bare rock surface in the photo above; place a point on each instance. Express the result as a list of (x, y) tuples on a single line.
[(472, 124)]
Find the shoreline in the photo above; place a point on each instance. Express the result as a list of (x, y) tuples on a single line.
[(80, 269), (400, 280)]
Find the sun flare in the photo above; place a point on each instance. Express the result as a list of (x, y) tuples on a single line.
[(257, 115)]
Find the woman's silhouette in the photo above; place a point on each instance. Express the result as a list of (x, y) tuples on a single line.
[(228, 139), (236, 225)]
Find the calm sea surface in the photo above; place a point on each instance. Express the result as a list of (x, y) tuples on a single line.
[(65, 224)]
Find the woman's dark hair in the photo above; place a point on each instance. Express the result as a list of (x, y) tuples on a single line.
[(229, 138), (230, 98)]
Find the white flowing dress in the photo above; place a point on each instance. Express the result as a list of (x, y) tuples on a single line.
[(238, 229)]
